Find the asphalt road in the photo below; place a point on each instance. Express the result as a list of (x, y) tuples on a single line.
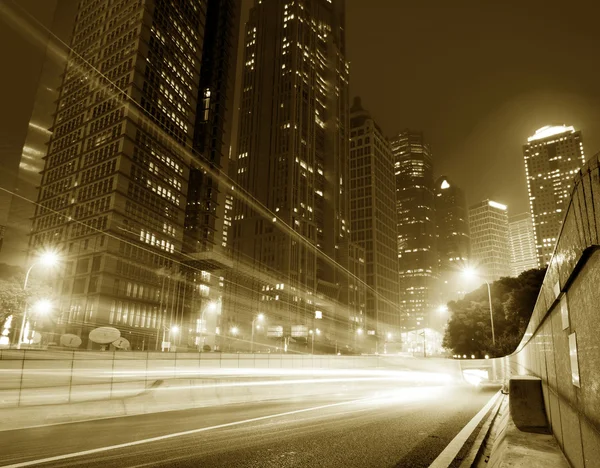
[(406, 427)]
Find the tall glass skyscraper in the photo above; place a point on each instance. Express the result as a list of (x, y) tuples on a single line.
[(415, 210), (553, 155), (292, 158), (114, 190), (453, 238)]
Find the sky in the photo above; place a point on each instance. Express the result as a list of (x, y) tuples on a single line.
[(478, 77)]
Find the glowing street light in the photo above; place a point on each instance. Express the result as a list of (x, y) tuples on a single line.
[(389, 336), (472, 273), (260, 317), (210, 307), (359, 331), (442, 309), (49, 259), (174, 329), (43, 306), (234, 330)]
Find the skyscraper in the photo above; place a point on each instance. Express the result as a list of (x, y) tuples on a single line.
[(553, 155), (452, 222), (20, 208), (490, 250), (115, 183), (292, 158), (522, 243), (212, 137), (416, 227), (373, 215), (453, 237)]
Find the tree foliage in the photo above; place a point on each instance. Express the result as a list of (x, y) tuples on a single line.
[(12, 295), (469, 329)]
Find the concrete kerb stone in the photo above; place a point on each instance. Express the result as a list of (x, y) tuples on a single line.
[(526, 403)]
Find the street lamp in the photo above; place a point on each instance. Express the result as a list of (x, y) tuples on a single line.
[(260, 318), (47, 259), (442, 309), (211, 307), (471, 273), (312, 335), (174, 330)]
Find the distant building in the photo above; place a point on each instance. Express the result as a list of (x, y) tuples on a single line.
[(553, 155), (453, 237), (415, 209), (522, 244), (490, 250), (373, 217), (452, 224)]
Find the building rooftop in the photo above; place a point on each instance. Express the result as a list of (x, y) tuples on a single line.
[(550, 130)]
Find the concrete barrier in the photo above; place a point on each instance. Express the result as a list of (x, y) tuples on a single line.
[(132, 398), (527, 404), (38, 377)]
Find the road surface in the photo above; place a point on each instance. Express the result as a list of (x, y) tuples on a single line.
[(406, 427)]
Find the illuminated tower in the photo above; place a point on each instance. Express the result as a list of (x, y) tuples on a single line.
[(292, 158), (129, 127), (453, 237), (553, 155), (416, 227)]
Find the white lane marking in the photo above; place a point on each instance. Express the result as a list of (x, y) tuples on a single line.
[(448, 455), (176, 434)]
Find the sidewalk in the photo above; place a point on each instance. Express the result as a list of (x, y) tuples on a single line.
[(509, 447)]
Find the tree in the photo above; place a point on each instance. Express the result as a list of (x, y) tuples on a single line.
[(12, 296), (513, 300)]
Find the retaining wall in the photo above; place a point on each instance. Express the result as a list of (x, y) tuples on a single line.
[(561, 345)]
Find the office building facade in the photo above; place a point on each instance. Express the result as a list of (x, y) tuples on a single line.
[(488, 222), (415, 216), (553, 156), (292, 159), (114, 190), (453, 238), (373, 217), (523, 254)]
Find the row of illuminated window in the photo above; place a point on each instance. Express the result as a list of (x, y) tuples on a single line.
[(150, 238)]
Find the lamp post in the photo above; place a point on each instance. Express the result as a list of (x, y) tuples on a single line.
[(312, 335), (211, 307), (469, 272), (48, 259), (233, 331), (174, 330), (260, 318)]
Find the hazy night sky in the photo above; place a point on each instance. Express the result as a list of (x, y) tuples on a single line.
[(478, 78)]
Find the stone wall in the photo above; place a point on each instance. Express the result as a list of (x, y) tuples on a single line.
[(562, 341)]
